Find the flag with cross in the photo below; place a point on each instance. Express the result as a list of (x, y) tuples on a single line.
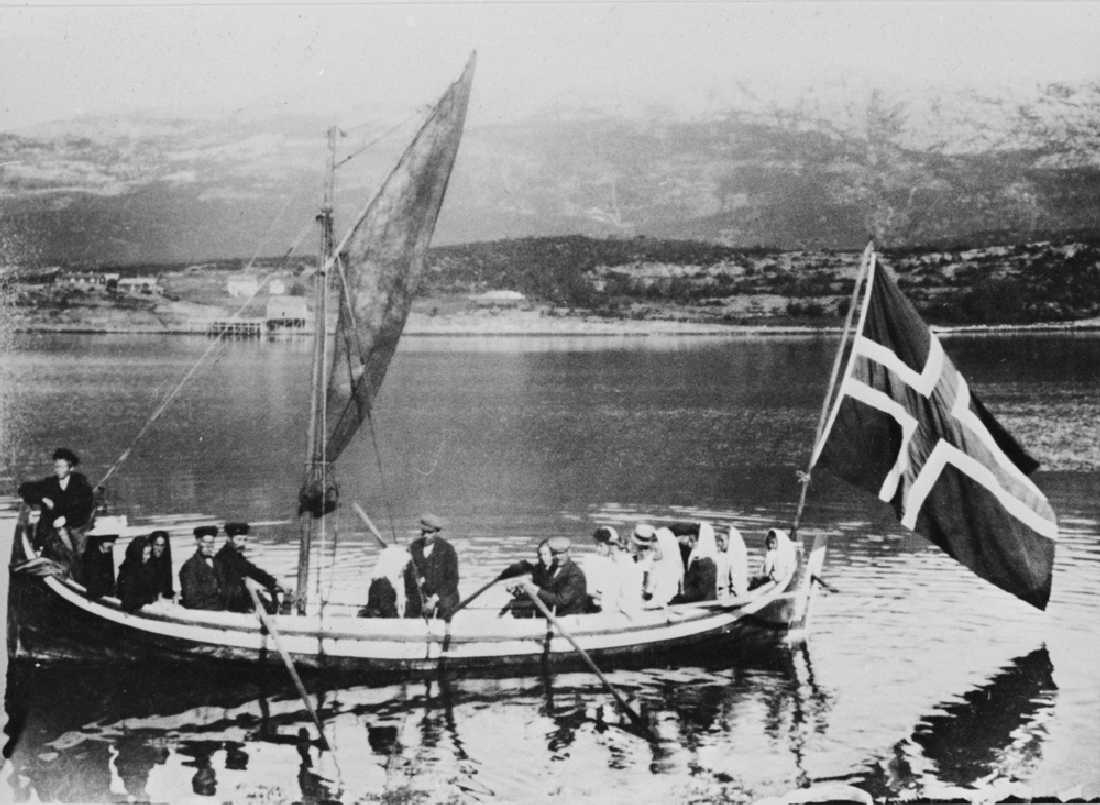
[(906, 426)]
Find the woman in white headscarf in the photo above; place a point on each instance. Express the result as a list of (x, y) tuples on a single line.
[(386, 594), (780, 560), (667, 577), (701, 576), (734, 567)]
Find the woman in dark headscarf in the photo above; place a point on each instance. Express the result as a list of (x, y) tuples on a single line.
[(137, 578), (162, 563), (99, 565)]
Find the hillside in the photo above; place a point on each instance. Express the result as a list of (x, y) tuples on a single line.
[(913, 169), (635, 279)]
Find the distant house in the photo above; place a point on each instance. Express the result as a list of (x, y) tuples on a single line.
[(497, 299), (138, 285), (242, 285), (286, 311), (88, 280)]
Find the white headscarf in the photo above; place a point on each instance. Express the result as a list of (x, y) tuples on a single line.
[(737, 563), (390, 565), (780, 563), (705, 546), (668, 569)]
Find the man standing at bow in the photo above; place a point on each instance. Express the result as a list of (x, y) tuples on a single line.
[(431, 578)]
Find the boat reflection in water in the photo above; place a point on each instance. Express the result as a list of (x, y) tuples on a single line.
[(175, 733), (991, 735)]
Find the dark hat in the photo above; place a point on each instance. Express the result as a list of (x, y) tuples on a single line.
[(429, 522), (606, 534), (154, 534), (235, 529), (65, 454), (558, 544), (644, 535), (206, 531)]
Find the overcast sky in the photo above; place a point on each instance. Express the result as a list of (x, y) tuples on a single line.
[(253, 58)]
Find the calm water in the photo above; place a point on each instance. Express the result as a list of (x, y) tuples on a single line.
[(915, 680)]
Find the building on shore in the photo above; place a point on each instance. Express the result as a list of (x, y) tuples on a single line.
[(146, 285), (242, 285), (497, 299), (287, 312)]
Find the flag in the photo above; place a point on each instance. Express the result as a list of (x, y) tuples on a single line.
[(906, 426)]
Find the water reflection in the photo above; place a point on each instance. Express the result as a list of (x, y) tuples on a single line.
[(991, 733), (223, 736)]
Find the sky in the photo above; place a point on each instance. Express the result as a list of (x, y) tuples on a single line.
[(339, 60)]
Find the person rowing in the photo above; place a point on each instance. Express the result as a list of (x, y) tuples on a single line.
[(566, 590), (431, 578)]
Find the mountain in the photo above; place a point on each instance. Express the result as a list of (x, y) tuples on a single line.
[(822, 171)]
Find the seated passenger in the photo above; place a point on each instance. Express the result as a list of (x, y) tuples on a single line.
[(235, 568), (386, 594), (779, 560), (600, 572), (137, 578), (67, 505), (566, 591), (162, 563), (200, 580), (628, 577), (668, 569), (540, 571), (701, 578), (732, 564), (99, 565)]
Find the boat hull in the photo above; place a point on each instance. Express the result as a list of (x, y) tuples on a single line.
[(52, 620)]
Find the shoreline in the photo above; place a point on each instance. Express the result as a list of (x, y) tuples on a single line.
[(474, 326)]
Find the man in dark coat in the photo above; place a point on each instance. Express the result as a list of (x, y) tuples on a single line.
[(235, 568), (566, 592), (431, 578), (68, 504), (200, 580)]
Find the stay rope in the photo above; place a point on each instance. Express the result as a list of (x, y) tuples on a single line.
[(373, 142), (217, 342)]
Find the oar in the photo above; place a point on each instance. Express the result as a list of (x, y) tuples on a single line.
[(618, 697), (366, 520), (261, 613), (463, 603)]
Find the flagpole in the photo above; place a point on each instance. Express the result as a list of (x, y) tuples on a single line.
[(865, 262)]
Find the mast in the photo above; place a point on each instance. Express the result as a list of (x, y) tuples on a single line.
[(317, 464)]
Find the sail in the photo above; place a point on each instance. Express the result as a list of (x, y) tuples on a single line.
[(906, 426), (381, 261)]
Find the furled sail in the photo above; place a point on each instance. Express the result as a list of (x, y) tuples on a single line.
[(381, 261), (906, 426)]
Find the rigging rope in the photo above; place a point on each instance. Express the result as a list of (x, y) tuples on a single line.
[(382, 477), (218, 341), (377, 139)]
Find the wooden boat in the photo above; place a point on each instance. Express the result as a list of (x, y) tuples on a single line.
[(886, 426), (55, 620)]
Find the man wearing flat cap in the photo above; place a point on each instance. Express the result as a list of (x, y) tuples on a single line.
[(431, 578), (566, 591), (200, 579), (234, 568)]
